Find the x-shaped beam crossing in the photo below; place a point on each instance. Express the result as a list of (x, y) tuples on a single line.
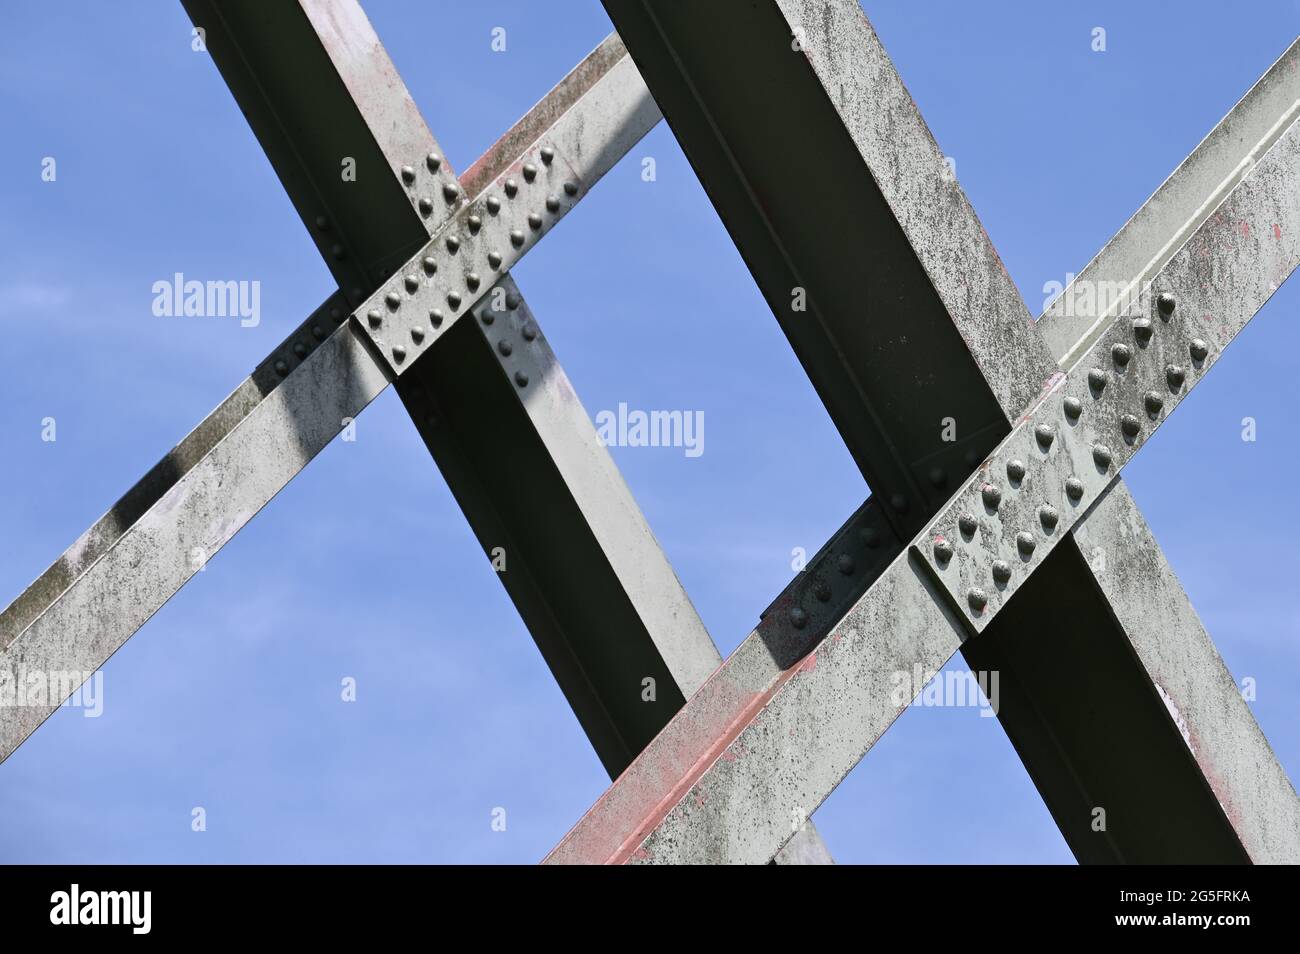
[(1047, 415)]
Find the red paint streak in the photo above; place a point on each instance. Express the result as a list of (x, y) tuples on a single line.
[(1277, 231), (1245, 228), (809, 663)]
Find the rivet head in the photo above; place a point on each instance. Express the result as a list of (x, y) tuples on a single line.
[(1165, 303), (534, 221), (992, 496), (494, 260), (1073, 408), (552, 203), (513, 300), (943, 550), (504, 347), (547, 154), (322, 223), (435, 317), (417, 334), (430, 264), (937, 477), (570, 188), (521, 379), (1130, 426), (393, 300), (1198, 349), (300, 350), (1074, 488), (338, 252), (412, 284), (453, 299), (375, 318), (529, 331), (1142, 330), (1097, 379), (399, 353), (426, 207), (281, 368), (408, 174), (1048, 517), (1101, 456), (450, 192), (516, 238), (1175, 376), (1001, 571), (870, 538), (487, 316), (1121, 354), (453, 244), (318, 332), (511, 188), (474, 222), (1016, 471), (822, 591), (493, 204), (472, 281), (899, 503), (336, 315), (798, 618), (1153, 402), (1025, 542), (1044, 434), (967, 524), (845, 564), (977, 599), (433, 161), (530, 171)]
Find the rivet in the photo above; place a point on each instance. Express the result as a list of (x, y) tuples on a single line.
[(552, 204), (475, 223), (494, 260), (336, 314), (845, 564), (899, 503), (1130, 426), (375, 318), (570, 188), (472, 281), (529, 331), (504, 347), (530, 171), (412, 284), (357, 295), (1121, 354), (322, 223), (453, 244), (318, 332), (1044, 434), (281, 368), (399, 353), (513, 300), (1165, 303), (534, 221), (393, 300), (430, 265), (408, 174), (943, 550), (1096, 379), (1048, 517), (977, 599), (435, 317), (453, 299), (486, 316), (1101, 455), (1073, 408), (1142, 330), (992, 496), (433, 161), (798, 618), (493, 204), (450, 192), (1175, 376), (822, 591), (1153, 402), (426, 206), (521, 379), (1001, 571), (417, 334), (869, 537), (937, 477), (967, 524), (1074, 488), (547, 154), (1025, 542), (516, 238), (338, 252), (511, 188), (300, 350), (1198, 349), (1016, 471)]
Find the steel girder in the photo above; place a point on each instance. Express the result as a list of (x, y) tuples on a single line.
[(939, 281)]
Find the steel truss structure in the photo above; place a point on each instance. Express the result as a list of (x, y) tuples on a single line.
[(732, 758)]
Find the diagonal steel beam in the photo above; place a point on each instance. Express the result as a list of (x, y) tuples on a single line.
[(839, 46)]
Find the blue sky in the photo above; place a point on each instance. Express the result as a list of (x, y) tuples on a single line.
[(228, 698)]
